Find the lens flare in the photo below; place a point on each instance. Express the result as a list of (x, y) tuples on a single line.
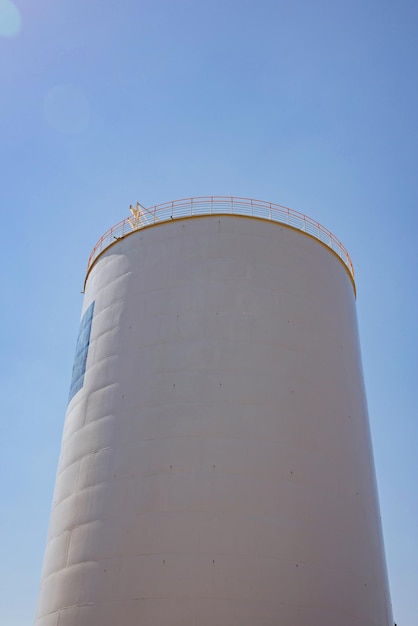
[(67, 109), (10, 19)]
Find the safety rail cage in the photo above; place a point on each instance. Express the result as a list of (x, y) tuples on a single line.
[(217, 205)]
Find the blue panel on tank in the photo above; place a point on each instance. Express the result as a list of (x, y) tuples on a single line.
[(82, 348)]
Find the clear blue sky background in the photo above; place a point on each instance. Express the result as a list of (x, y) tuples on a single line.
[(311, 104)]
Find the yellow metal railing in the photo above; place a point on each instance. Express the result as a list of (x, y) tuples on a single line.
[(214, 205)]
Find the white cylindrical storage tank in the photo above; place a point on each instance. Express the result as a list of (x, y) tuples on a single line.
[(216, 465)]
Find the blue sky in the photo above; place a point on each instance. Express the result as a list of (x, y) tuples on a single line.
[(309, 104)]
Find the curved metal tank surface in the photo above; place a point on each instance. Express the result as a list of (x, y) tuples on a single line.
[(216, 466)]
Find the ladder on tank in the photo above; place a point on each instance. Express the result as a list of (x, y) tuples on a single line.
[(140, 217)]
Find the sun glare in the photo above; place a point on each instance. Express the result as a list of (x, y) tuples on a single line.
[(10, 19), (67, 109)]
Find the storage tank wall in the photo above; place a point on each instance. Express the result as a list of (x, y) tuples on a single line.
[(216, 464)]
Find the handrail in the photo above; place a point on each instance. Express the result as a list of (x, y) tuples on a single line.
[(215, 205)]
